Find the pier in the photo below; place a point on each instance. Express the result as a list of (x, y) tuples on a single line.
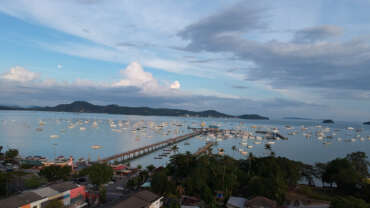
[(272, 135), (205, 148), (150, 148)]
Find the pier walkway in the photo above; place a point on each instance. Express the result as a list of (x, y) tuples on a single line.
[(150, 148), (205, 148)]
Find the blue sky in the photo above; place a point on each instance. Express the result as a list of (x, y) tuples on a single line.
[(276, 58)]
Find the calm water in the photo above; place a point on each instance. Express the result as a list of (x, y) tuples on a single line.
[(76, 134)]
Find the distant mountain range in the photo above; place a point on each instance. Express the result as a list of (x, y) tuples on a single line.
[(85, 107)]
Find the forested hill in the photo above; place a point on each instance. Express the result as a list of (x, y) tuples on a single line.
[(85, 107)]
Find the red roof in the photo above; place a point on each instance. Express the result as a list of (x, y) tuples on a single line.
[(119, 167)]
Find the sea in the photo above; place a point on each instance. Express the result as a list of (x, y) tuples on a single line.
[(52, 134)]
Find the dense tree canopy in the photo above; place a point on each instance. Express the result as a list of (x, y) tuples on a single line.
[(100, 173), (54, 172), (11, 154), (270, 176)]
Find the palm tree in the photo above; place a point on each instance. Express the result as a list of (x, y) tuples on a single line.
[(233, 148), (175, 148), (268, 148)]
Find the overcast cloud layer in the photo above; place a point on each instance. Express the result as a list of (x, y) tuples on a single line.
[(278, 58)]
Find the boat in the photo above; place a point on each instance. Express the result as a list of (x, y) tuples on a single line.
[(54, 136)]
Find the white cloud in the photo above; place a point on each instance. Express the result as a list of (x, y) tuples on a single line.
[(134, 75), (59, 66), (20, 74), (175, 85)]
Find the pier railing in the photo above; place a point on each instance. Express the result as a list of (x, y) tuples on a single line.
[(150, 148)]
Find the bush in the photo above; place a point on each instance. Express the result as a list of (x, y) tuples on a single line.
[(54, 172), (348, 202), (34, 182)]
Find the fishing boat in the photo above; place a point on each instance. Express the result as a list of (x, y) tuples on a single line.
[(54, 136)]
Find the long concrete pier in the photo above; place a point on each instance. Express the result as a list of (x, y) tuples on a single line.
[(205, 148), (150, 148)]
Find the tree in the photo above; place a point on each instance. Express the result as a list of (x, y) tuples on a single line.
[(159, 182), (272, 188), (100, 173), (343, 174), (348, 202), (103, 194), (233, 148), (1, 154), (54, 204), (34, 182), (150, 168), (319, 171), (360, 163), (55, 172), (175, 148), (11, 154)]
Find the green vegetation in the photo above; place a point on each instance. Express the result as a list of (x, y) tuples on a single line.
[(137, 181), (54, 172), (271, 176), (348, 202), (99, 174), (11, 154), (82, 106), (34, 182)]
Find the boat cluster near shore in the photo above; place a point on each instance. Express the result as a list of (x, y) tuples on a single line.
[(243, 137)]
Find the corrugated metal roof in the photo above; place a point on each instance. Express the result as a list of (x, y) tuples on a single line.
[(132, 202), (46, 192), (65, 186), (147, 196), (20, 199)]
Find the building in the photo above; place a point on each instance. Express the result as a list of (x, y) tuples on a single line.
[(295, 200), (260, 201), (142, 199), (236, 202), (68, 193)]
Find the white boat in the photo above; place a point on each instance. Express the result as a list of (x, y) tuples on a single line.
[(271, 142), (54, 136), (82, 128)]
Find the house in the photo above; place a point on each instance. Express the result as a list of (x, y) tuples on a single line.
[(260, 202), (68, 193), (295, 200), (236, 202), (142, 199), (189, 201)]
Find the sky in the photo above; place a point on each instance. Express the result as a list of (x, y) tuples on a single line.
[(275, 58)]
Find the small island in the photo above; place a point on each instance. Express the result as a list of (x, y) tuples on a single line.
[(367, 123), (328, 121), (253, 117)]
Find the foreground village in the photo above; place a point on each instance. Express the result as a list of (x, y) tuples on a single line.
[(188, 181)]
